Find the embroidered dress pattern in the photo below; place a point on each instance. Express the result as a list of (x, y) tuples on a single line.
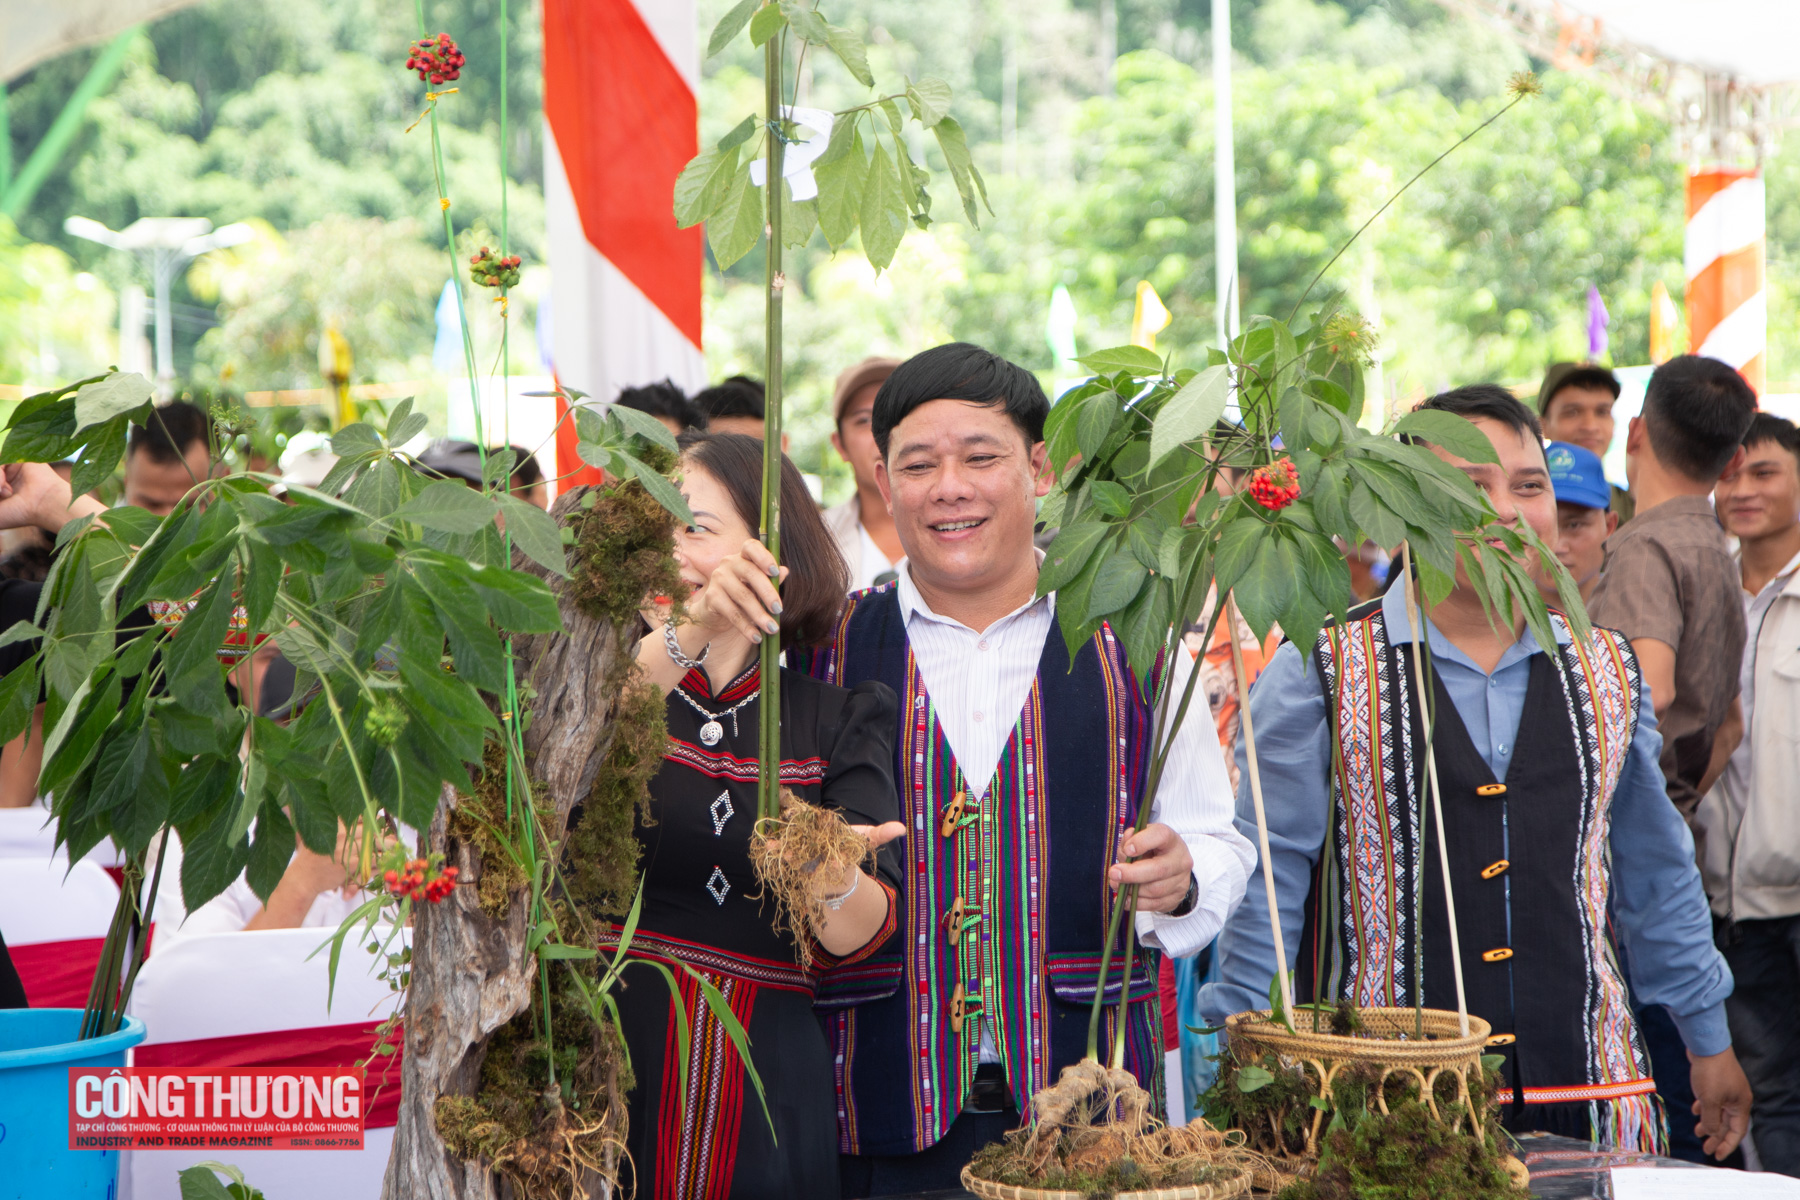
[(698, 1157)]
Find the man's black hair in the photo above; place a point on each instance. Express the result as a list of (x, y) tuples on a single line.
[(172, 430), (664, 399), (1488, 400), (739, 396), (1696, 412), (959, 371), (1767, 427)]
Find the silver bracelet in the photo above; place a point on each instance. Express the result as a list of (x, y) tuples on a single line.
[(673, 645), (836, 902)]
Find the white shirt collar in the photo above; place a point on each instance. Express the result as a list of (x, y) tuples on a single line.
[(911, 602)]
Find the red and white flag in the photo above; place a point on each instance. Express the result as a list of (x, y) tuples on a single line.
[(622, 119)]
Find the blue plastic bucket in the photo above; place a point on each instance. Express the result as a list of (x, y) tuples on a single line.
[(37, 1048)]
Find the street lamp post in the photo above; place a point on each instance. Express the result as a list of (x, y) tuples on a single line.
[(164, 245)]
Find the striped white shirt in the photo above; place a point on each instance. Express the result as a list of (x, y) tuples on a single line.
[(979, 682)]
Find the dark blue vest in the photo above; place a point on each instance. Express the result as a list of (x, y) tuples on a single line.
[(1003, 909)]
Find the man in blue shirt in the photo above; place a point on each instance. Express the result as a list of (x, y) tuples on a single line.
[(1550, 784)]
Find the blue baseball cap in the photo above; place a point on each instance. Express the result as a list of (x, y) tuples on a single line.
[(1576, 475)]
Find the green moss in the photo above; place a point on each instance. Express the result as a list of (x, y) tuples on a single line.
[(601, 862), (1408, 1155), (1000, 1163), (623, 545), (481, 820)]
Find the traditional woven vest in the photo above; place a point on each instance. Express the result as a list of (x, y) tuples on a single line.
[(1003, 915), (1528, 862)]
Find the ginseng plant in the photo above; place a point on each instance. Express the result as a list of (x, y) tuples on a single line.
[(854, 174), (1148, 544)]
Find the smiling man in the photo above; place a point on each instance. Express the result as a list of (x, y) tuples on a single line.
[(1546, 762), (1020, 775)]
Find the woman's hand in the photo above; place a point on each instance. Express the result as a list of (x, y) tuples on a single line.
[(741, 594), (877, 836)]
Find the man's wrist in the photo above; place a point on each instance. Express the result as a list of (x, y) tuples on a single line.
[(1190, 901)]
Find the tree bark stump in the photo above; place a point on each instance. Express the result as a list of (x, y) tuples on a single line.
[(469, 971)]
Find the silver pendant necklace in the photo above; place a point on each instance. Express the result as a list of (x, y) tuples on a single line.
[(711, 730)]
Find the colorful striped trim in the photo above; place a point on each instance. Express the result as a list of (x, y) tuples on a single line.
[(827, 960), (783, 976), (719, 765), (1580, 1092), (748, 680), (701, 1112)]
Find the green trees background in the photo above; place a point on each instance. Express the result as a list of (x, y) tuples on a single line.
[(294, 116)]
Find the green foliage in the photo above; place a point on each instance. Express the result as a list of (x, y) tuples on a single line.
[(383, 593), (1145, 541), (201, 1182), (867, 177)]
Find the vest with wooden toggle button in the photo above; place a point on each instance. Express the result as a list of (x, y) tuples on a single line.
[(1527, 855)]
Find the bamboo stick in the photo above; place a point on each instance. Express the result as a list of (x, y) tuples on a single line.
[(1437, 800), (768, 745), (1256, 795)]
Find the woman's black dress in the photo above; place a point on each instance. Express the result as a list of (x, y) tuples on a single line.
[(701, 907)]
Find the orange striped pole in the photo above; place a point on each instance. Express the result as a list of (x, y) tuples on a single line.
[(1726, 305)]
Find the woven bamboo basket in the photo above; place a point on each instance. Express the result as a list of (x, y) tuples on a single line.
[(1236, 1184), (1388, 1044)]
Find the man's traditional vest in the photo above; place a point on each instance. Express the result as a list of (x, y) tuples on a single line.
[(1529, 866), (1003, 914)]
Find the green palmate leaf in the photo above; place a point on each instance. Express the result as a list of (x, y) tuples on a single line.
[(969, 185), (842, 177), (518, 602), (1456, 434), (852, 53), (798, 219), (208, 862), (930, 100), (1110, 498), (703, 183), (1253, 1078), (1190, 413), (404, 424), (18, 698), (1267, 584), (100, 456), (1099, 413), (1145, 626), (535, 532), (1133, 360), (661, 490), (355, 439), (768, 21), (883, 215), (730, 25), (1116, 585), (270, 849), (642, 424), (1373, 519), (735, 226), (739, 134), (1068, 554), (806, 23), (890, 110), (449, 505), (116, 395)]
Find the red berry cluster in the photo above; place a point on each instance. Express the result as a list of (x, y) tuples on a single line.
[(1275, 485), (412, 882), (436, 59), (490, 270)]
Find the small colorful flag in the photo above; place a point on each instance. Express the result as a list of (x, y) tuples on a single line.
[(1150, 317), (1665, 326), (1598, 320)]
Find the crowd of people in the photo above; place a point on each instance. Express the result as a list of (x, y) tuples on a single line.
[(1618, 809)]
